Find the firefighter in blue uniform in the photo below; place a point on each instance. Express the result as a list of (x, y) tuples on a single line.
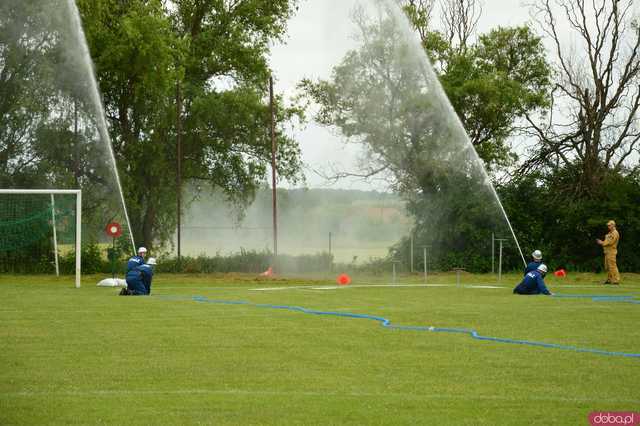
[(533, 282), (537, 261), (138, 260), (139, 280)]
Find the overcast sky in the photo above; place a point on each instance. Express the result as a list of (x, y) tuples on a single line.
[(318, 37)]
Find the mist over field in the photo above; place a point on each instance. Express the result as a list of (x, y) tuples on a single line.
[(362, 224)]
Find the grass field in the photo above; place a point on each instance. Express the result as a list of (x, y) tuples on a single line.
[(87, 356)]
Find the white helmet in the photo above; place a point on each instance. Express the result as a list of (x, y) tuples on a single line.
[(537, 255), (542, 268), (152, 261), (142, 250)]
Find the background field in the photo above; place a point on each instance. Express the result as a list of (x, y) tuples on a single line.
[(87, 356)]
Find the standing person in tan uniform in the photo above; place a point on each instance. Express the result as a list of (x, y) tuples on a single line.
[(610, 247)]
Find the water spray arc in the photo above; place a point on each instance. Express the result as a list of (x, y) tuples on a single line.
[(430, 76), (76, 24)]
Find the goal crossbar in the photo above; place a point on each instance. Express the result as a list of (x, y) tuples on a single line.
[(78, 194)]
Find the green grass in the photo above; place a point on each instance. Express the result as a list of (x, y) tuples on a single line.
[(87, 356)]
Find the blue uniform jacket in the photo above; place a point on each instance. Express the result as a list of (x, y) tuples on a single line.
[(532, 283), (532, 266), (139, 280), (134, 262)]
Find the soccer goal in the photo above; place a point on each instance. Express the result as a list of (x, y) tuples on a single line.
[(35, 224)]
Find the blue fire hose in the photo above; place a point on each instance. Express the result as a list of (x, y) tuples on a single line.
[(468, 331)]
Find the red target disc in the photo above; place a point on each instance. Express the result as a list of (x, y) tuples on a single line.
[(113, 229)]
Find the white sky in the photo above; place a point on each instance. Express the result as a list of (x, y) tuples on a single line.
[(318, 37)]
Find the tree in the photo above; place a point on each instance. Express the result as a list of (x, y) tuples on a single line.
[(460, 21), (458, 25), (566, 229), (492, 81), (594, 122), (216, 51), (493, 84), (384, 96), (25, 89)]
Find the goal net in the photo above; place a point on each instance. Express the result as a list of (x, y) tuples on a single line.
[(40, 231)]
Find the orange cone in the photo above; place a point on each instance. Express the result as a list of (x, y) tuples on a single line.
[(343, 279), (560, 273)]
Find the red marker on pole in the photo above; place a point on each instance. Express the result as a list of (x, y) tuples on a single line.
[(113, 229)]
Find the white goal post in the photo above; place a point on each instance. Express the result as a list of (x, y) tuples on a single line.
[(52, 192)]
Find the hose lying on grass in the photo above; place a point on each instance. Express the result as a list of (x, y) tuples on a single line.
[(387, 323), (601, 298)]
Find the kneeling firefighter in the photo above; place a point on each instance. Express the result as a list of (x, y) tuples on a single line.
[(139, 279), (533, 282)]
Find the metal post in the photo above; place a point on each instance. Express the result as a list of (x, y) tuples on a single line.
[(273, 169), (493, 239), (179, 167), (500, 241), (458, 271), (411, 253), (500, 264), (424, 254), (76, 147), (425, 260), (113, 259), (78, 236), (55, 235), (393, 263), (330, 258)]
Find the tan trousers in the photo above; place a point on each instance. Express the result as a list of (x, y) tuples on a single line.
[(610, 265)]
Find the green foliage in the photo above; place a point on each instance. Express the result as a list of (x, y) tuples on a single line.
[(216, 52), (39, 259), (378, 97), (92, 258), (494, 83), (491, 83), (25, 87), (456, 225), (549, 216)]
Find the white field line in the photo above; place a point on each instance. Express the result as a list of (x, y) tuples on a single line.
[(337, 287), (579, 286), (333, 287), (280, 288), (197, 287), (125, 392), (484, 286)]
